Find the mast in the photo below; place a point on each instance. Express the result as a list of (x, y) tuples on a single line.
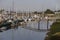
[(13, 5)]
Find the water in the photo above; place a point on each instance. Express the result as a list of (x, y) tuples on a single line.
[(25, 34), (43, 24)]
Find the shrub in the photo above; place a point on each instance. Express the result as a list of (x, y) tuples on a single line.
[(54, 33), (55, 27), (55, 36)]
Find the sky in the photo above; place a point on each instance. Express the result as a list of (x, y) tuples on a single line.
[(30, 5)]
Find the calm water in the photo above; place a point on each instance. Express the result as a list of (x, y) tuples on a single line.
[(43, 24), (24, 34)]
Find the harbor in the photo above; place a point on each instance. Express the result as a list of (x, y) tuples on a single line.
[(14, 19), (25, 34), (25, 28), (29, 20)]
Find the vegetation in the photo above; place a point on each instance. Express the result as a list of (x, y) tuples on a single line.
[(54, 33), (57, 19), (35, 12), (55, 27), (48, 11), (55, 36)]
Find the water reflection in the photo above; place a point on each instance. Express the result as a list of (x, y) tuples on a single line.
[(25, 34), (43, 24), (22, 34)]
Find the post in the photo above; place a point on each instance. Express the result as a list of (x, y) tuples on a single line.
[(47, 23), (39, 24), (10, 14)]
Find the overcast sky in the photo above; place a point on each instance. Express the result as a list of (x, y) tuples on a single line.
[(30, 5)]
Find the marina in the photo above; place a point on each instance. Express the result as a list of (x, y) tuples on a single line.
[(29, 20), (25, 34)]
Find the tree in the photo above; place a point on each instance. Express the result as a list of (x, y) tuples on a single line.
[(35, 12), (48, 11), (1, 11)]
